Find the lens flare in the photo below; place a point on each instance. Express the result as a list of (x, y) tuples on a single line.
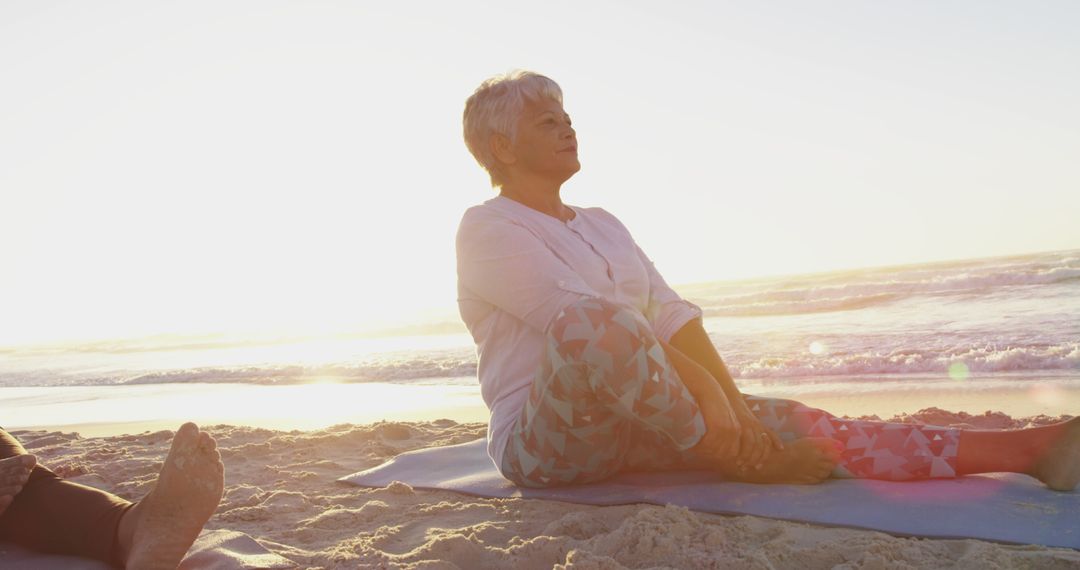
[(959, 371), (818, 348)]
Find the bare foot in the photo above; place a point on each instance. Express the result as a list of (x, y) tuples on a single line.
[(1059, 467), (14, 471), (803, 462), (157, 531)]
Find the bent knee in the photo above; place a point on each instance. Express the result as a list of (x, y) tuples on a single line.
[(603, 325)]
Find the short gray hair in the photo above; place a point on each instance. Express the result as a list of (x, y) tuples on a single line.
[(495, 107)]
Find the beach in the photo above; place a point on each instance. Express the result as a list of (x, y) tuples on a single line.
[(988, 343), (282, 489), (332, 233)]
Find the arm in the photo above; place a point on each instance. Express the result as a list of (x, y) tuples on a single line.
[(693, 341), (679, 323), (722, 429)]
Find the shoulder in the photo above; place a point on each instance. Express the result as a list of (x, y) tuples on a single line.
[(482, 215), (489, 222)]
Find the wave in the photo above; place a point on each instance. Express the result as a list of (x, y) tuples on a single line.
[(781, 307), (972, 361), (394, 371), (959, 363), (401, 370), (809, 295)]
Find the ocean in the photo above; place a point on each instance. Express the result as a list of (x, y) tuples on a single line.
[(1007, 328)]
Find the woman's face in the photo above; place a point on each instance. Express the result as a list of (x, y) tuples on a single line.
[(546, 144)]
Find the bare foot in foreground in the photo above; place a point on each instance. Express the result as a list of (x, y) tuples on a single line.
[(1059, 467), (803, 462), (157, 531), (14, 471)]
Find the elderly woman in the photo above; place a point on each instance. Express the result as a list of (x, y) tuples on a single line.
[(591, 365)]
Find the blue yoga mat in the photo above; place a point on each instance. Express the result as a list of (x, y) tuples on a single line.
[(1000, 507)]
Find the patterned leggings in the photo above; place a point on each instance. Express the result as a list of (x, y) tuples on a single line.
[(606, 399)]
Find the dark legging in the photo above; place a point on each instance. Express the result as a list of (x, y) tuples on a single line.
[(55, 516)]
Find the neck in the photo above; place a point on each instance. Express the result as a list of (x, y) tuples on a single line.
[(542, 196)]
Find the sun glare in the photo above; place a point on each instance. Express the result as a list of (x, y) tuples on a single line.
[(298, 406)]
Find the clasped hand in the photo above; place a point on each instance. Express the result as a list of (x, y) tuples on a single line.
[(733, 432)]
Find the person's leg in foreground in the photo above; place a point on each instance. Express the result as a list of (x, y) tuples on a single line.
[(607, 400), (43, 512)]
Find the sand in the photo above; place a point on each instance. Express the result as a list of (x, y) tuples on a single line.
[(281, 488)]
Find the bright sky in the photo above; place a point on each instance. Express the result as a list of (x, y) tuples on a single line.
[(261, 166)]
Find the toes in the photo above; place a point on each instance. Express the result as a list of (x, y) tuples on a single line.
[(185, 439), (207, 442), (187, 430)]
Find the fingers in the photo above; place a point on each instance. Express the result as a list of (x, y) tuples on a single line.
[(747, 449), (756, 449), (767, 440), (725, 443), (718, 441), (734, 441), (721, 434), (775, 439), (762, 447), (736, 433)]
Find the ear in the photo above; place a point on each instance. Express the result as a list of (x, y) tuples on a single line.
[(502, 149)]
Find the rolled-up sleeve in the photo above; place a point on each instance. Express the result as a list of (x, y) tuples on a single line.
[(667, 311), (504, 264)]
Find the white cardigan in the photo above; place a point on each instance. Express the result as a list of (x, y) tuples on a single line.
[(518, 268)]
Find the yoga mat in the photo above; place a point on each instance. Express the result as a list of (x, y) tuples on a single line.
[(999, 507), (213, 550)]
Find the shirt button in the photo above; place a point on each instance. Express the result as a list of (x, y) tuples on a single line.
[(562, 283)]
